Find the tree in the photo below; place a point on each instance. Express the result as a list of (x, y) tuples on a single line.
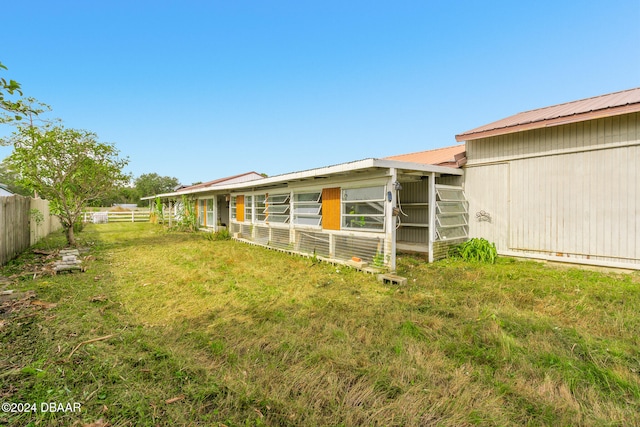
[(31, 109), (150, 184), (15, 109), (68, 167), (9, 178)]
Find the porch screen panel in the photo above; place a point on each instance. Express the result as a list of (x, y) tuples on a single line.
[(240, 208), (331, 208)]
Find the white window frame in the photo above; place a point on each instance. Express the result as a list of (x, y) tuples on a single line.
[(312, 209), (248, 208), (459, 229), (344, 206), (260, 208), (280, 212)]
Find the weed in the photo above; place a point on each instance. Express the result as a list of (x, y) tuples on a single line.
[(477, 250), (222, 234), (378, 259)]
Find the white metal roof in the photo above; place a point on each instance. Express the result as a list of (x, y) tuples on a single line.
[(338, 169)]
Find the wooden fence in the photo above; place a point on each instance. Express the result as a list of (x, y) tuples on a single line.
[(23, 221)]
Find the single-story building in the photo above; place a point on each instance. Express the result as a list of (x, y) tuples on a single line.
[(367, 209), (560, 183), (557, 183)]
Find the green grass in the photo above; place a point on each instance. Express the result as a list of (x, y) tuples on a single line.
[(244, 336)]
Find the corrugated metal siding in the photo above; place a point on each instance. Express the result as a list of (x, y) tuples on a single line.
[(568, 191), (234, 228), (280, 238), (261, 234), (312, 243), (331, 208), (412, 235), (414, 197), (246, 231), (441, 249), (366, 248)]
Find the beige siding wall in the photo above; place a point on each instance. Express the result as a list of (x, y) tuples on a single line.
[(576, 137), (583, 204), (568, 192), (456, 180), (487, 190)]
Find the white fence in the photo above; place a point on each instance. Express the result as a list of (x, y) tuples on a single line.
[(106, 216)]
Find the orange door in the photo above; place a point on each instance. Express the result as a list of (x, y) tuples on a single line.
[(331, 208), (240, 208)]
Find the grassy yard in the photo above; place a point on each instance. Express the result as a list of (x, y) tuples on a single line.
[(223, 333)]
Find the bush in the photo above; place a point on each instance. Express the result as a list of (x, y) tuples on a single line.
[(223, 234), (479, 250)]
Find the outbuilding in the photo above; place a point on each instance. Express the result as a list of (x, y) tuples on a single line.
[(560, 183)]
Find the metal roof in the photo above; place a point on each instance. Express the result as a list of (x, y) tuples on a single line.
[(243, 177), (447, 156), (612, 104)]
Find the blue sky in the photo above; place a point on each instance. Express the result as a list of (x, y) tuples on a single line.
[(205, 89)]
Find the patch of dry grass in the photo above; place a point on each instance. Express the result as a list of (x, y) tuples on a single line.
[(255, 337)]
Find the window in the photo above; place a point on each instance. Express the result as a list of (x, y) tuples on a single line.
[(260, 204), (363, 208), (248, 208), (307, 209), (452, 213), (232, 205), (237, 208), (277, 209), (201, 212), (209, 208)]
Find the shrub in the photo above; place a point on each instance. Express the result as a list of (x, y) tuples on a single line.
[(222, 234), (476, 249)]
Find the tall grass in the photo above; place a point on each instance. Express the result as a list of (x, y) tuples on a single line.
[(246, 336)]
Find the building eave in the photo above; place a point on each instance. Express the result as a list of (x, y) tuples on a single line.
[(343, 168)]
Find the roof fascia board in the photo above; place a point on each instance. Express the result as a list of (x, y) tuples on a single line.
[(328, 170), (563, 120), (421, 167), (343, 167)]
